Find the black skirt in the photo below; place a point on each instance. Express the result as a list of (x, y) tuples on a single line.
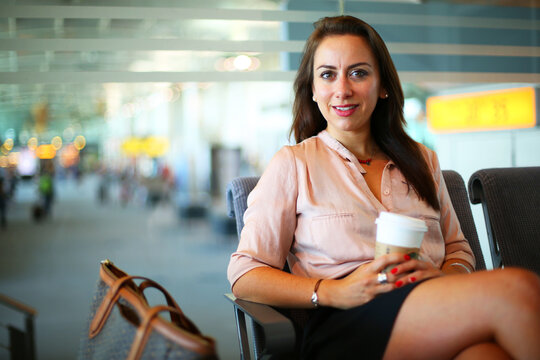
[(361, 332)]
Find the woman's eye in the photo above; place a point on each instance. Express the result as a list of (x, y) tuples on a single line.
[(358, 73), (326, 75)]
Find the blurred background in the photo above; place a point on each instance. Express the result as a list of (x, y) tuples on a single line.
[(122, 121)]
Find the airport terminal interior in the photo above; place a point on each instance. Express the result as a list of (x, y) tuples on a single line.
[(123, 121)]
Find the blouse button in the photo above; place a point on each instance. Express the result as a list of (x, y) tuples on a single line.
[(386, 191)]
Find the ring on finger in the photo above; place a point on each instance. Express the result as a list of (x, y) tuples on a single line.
[(382, 278)]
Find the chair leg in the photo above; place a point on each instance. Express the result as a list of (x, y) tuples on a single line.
[(258, 343), (242, 334)]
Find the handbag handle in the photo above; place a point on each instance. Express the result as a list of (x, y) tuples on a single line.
[(105, 308), (177, 318), (143, 331)]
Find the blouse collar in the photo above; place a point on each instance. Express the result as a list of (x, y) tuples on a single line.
[(340, 148)]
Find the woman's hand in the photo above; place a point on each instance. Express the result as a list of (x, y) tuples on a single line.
[(413, 270), (362, 285)]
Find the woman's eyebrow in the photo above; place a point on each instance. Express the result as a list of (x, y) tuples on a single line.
[(332, 67), (327, 67), (358, 64)]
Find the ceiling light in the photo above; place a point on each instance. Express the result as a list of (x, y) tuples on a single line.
[(242, 62)]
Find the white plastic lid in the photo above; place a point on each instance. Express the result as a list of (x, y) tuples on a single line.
[(402, 220)]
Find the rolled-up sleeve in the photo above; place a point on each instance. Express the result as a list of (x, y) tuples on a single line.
[(270, 219), (456, 246)]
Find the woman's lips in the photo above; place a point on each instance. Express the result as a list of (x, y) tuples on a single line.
[(345, 110)]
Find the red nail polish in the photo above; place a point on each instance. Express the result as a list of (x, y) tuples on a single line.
[(393, 271), (412, 279), (399, 283), (407, 257)]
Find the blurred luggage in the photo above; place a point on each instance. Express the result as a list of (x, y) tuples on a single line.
[(38, 213)]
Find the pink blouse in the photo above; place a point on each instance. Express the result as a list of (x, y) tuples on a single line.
[(313, 208)]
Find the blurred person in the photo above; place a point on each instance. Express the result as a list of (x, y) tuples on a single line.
[(78, 172), (104, 185), (126, 187), (12, 180), (168, 182), (46, 187), (315, 207), (3, 202)]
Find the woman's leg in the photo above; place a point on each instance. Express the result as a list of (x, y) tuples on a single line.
[(443, 317), (489, 351)]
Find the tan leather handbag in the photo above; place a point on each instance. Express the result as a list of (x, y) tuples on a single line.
[(122, 324)]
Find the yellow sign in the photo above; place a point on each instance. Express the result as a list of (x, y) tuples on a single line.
[(155, 146), (152, 146), (483, 111), (131, 146), (46, 151)]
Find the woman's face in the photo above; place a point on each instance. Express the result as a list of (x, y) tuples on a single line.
[(346, 84)]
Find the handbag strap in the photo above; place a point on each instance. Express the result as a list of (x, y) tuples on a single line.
[(104, 309), (112, 296), (177, 317), (144, 329), (119, 274)]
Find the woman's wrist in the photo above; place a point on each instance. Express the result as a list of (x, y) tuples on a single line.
[(325, 292), (462, 266), (454, 266)]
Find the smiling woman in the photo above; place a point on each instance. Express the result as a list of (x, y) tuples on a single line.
[(315, 208), (382, 136), (346, 88)]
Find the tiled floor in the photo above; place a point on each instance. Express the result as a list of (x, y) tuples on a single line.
[(53, 266)]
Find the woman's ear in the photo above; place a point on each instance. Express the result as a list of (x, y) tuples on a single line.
[(383, 94)]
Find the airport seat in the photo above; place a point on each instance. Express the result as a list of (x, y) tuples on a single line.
[(237, 192), (274, 333), (460, 202), (510, 199)]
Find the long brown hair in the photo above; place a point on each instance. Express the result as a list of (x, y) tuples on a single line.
[(387, 121)]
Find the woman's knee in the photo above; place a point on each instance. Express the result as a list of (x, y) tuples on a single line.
[(519, 285), (520, 278), (486, 350)]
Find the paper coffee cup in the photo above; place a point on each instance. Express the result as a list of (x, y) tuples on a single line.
[(399, 234)]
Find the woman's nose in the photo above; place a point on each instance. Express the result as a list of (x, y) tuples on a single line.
[(343, 88)]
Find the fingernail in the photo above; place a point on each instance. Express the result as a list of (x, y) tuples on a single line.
[(393, 271), (399, 283), (412, 279), (407, 257)]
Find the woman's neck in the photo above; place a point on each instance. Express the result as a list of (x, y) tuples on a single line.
[(360, 144)]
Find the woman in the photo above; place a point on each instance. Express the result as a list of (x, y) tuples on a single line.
[(315, 208)]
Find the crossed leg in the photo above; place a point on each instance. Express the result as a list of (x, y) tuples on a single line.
[(489, 312), (488, 350)]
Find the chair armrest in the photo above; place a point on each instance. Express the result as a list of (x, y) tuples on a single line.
[(478, 196), (476, 192), (279, 333)]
